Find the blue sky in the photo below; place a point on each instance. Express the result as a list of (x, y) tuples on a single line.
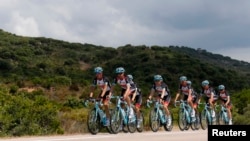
[(219, 26)]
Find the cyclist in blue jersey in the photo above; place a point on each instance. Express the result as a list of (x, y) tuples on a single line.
[(186, 91), (102, 82), (162, 91), (122, 80), (209, 94), (224, 97)]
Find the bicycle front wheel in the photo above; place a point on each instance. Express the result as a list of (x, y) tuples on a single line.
[(154, 121), (222, 118), (132, 123), (203, 119), (140, 122), (116, 121), (169, 126), (93, 122), (182, 121)]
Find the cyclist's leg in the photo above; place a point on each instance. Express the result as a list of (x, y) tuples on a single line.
[(106, 104), (166, 101), (229, 108)]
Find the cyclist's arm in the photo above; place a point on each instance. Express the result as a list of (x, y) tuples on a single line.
[(104, 89), (151, 94), (228, 100), (211, 99), (127, 89), (163, 93), (134, 94), (92, 88), (177, 95)]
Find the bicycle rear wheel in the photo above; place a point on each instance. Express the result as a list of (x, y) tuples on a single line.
[(93, 122), (154, 121), (182, 121)]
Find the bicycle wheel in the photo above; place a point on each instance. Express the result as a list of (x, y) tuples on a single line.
[(141, 122), (154, 121), (182, 122), (132, 123), (93, 122), (195, 125), (116, 121), (221, 119), (109, 126), (169, 128), (203, 119)]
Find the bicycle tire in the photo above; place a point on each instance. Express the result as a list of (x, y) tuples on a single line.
[(195, 125), (132, 122), (109, 126), (169, 128), (140, 129), (203, 120), (154, 120), (116, 121), (93, 122), (182, 121)]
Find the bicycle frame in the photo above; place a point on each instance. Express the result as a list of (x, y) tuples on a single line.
[(186, 109), (96, 117), (223, 115), (121, 116), (160, 113)]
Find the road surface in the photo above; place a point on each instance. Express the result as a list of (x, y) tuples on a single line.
[(174, 135)]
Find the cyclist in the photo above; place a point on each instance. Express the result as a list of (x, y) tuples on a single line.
[(163, 94), (194, 95), (103, 83), (136, 97), (186, 91), (224, 97), (122, 80), (210, 96)]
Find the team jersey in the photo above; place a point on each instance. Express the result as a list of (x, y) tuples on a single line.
[(158, 89), (223, 95), (207, 93), (184, 89), (122, 82), (101, 83)]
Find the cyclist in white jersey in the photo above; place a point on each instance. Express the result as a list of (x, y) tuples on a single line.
[(102, 82)]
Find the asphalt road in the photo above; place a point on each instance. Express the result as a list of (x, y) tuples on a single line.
[(174, 135)]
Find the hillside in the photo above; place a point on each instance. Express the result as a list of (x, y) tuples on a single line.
[(44, 81), (46, 62)]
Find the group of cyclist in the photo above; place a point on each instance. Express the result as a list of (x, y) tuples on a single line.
[(210, 96), (129, 90), (132, 93)]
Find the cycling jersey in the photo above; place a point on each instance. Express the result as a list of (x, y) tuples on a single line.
[(207, 94), (101, 83), (223, 96)]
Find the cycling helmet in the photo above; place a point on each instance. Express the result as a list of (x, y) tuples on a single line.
[(205, 82), (130, 76), (221, 87), (189, 82), (98, 70), (120, 70), (158, 77), (183, 78)]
